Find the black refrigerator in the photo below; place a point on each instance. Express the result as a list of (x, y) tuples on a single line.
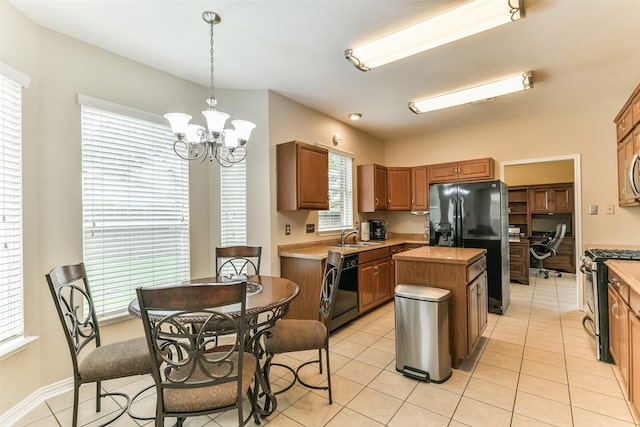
[(475, 215)]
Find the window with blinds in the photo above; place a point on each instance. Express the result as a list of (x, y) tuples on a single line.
[(233, 204), (135, 206), (11, 285), (340, 213)]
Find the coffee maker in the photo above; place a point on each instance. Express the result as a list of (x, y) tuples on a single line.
[(378, 230)]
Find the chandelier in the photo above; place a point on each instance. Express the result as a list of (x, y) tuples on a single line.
[(194, 142)]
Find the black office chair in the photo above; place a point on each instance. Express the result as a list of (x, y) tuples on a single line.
[(548, 249)]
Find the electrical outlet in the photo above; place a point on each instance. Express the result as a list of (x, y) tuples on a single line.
[(311, 228), (287, 229), (610, 209)]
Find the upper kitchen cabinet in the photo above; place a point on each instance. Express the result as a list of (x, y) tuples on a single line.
[(399, 189), (372, 188), (628, 135), (419, 188), (466, 170), (551, 199), (302, 176)]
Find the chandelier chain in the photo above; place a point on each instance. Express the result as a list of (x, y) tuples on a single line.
[(211, 52)]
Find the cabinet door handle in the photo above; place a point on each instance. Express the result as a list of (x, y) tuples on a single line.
[(376, 201)]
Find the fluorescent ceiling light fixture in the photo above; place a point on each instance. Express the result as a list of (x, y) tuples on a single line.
[(486, 91), (471, 18)]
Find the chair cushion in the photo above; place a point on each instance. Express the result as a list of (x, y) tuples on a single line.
[(295, 335), (116, 360), (211, 397)]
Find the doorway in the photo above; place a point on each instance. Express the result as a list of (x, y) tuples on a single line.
[(556, 171)]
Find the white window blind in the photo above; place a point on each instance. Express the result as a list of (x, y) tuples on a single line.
[(340, 213), (11, 278), (233, 204), (135, 205)]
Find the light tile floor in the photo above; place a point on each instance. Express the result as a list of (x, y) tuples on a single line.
[(535, 366)]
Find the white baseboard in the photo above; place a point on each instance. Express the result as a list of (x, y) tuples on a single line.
[(19, 411)]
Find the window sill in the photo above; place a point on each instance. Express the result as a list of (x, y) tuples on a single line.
[(114, 318), (14, 346)]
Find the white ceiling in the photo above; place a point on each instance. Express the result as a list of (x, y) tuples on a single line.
[(296, 48)]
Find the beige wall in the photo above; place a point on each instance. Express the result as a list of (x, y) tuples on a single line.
[(539, 173), (289, 121), (588, 133)]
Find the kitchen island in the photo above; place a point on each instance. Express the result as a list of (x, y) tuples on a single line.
[(461, 271)]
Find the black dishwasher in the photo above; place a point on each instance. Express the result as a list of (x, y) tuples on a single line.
[(345, 306)]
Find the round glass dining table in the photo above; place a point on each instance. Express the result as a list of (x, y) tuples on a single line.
[(268, 299)]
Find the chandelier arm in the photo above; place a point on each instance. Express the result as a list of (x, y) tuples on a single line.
[(189, 148)]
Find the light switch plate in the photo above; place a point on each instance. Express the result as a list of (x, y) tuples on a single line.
[(593, 209), (610, 209), (311, 228)]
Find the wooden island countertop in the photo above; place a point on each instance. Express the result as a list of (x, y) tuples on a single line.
[(441, 255), (462, 271)]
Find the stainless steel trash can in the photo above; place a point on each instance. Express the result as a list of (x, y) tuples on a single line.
[(422, 332)]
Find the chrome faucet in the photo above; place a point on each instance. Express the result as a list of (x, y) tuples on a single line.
[(344, 235)]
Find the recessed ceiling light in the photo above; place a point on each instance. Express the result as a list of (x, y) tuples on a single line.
[(355, 116), (471, 18)]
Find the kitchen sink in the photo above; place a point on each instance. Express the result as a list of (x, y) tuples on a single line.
[(358, 245)]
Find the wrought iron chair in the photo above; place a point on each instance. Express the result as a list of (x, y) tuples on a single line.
[(548, 249), (71, 294), (291, 335), (198, 370), (238, 260)]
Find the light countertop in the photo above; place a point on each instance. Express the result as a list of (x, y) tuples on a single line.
[(629, 271), (441, 255), (318, 250)]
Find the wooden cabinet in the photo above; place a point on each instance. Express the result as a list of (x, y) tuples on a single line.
[(628, 137), (519, 209), (372, 188), (392, 266), (399, 189), (550, 200), (373, 279), (627, 148), (466, 170), (618, 292), (302, 176), (634, 361), (476, 309), (307, 274), (419, 188), (519, 261)]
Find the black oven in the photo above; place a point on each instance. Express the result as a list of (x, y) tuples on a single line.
[(345, 306), (596, 278)]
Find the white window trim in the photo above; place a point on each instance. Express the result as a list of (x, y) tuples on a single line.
[(17, 342), (338, 230)]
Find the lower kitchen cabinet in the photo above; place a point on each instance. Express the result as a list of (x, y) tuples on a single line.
[(634, 361), (307, 274), (373, 279), (477, 309), (519, 261), (619, 334)]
